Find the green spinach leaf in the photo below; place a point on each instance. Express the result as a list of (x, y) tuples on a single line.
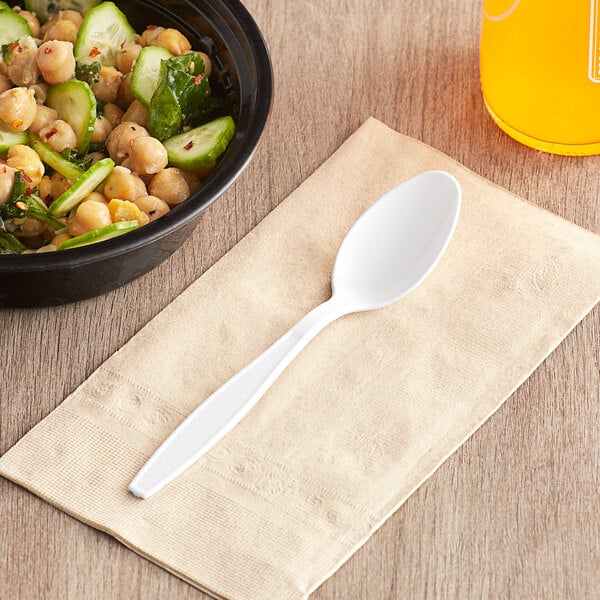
[(90, 73), (21, 204), (182, 98)]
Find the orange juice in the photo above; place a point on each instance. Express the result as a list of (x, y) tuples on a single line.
[(540, 72)]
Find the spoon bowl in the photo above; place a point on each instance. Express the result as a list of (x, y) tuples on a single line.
[(397, 242), (388, 252)]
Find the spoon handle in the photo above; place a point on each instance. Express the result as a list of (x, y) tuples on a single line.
[(225, 408)]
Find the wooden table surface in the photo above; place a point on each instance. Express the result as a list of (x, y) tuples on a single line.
[(515, 513)]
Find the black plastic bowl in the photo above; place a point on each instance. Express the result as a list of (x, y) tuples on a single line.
[(225, 30)]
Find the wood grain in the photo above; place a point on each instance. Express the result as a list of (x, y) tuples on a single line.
[(515, 512)]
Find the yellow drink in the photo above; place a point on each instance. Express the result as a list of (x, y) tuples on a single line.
[(540, 72)]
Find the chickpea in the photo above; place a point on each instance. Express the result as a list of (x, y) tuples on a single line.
[(29, 227), (170, 186), (18, 108), (174, 41), (127, 163), (89, 216), (56, 61), (63, 15), (148, 156), (5, 83), (96, 156), (57, 240), (122, 184), (207, 63), (113, 113), (70, 15), (127, 56), (40, 91), (124, 210), (121, 138), (96, 197), (58, 185), (125, 97), (22, 67), (150, 34), (137, 113), (45, 188), (7, 179), (32, 20), (192, 181), (107, 88), (59, 135), (151, 205), (102, 129), (63, 30), (43, 117), (26, 159)]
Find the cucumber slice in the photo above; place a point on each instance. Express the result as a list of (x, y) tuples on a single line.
[(84, 186), (4, 6), (11, 138), (146, 71), (104, 31), (75, 103), (12, 26), (44, 9), (201, 145), (53, 159), (99, 235)]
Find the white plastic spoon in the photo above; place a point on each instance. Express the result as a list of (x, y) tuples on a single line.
[(388, 252)]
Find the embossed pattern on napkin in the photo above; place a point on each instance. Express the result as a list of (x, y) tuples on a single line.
[(361, 418)]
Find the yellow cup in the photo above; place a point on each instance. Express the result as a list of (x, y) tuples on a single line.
[(540, 72)]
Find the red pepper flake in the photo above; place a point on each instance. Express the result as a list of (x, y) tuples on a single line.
[(94, 52), (28, 191), (12, 47), (198, 79), (26, 177), (51, 133), (5, 169), (151, 27), (47, 50), (189, 146), (21, 205)]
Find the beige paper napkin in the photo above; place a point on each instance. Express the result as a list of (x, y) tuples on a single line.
[(361, 418)]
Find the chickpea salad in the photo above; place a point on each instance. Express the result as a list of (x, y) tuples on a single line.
[(102, 130)]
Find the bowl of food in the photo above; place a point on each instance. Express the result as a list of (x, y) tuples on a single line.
[(120, 123)]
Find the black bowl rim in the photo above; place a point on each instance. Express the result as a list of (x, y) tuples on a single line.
[(214, 188)]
